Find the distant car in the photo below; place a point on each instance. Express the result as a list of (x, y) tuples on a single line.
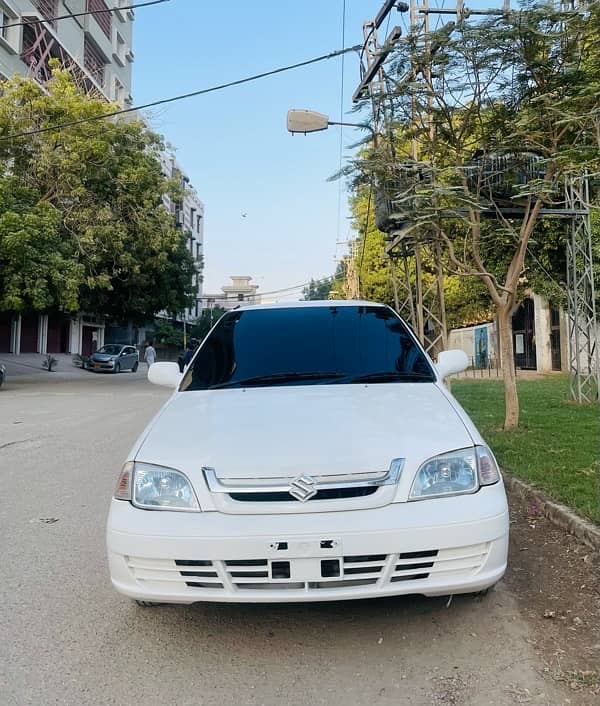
[(114, 357), (2, 374)]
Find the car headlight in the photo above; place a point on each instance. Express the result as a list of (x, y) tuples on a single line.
[(455, 473), (156, 488)]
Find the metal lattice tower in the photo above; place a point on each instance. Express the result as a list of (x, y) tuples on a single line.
[(424, 306), (584, 357)]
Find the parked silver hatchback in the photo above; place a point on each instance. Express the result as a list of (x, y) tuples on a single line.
[(114, 357)]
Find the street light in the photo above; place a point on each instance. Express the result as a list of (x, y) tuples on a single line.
[(310, 121)]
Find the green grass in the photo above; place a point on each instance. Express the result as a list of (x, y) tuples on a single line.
[(557, 445)]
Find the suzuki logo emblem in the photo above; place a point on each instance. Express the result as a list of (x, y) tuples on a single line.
[(303, 488)]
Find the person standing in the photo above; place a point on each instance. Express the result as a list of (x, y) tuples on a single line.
[(189, 354), (150, 354)]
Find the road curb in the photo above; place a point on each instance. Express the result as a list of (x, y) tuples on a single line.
[(558, 514)]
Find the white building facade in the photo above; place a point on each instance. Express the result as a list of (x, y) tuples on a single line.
[(97, 48), (240, 291), (189, 217)]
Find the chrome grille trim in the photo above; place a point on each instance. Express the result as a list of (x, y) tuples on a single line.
[(321, 482)]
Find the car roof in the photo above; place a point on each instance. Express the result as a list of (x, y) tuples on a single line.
[(309, 304)]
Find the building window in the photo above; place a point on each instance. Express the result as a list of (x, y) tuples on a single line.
[(121, 49), (104, 19), (4, 20), (198, 219), (119, 91), (47, 8), (93, 61), (198, 251)]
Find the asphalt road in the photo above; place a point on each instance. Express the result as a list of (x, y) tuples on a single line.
[(68, 638)]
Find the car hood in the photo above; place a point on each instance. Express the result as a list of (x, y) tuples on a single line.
[(103, 357), (316, 429)]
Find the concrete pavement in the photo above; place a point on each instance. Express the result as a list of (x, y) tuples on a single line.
[(68, 638)]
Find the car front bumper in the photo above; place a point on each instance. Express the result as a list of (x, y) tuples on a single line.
[(104, 365), (432, 547)]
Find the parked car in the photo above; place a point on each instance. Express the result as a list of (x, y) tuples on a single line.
[(2, 374), (114, 357), (310, 452)]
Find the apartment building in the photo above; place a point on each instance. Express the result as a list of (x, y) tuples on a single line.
[(189, 217), (97, 48)]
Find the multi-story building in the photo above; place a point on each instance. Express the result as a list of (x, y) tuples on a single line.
[(189, 217), (97, 48)]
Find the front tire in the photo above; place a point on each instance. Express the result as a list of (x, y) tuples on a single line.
[(146, 604), (117, 368)]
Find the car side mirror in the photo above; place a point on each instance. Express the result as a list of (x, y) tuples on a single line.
[(166, 374), (451, 362)]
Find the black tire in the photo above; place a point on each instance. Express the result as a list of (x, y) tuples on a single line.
[(146, 604), (135, 367), (117, 368)]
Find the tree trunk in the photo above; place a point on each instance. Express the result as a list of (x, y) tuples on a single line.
[(511, 400)]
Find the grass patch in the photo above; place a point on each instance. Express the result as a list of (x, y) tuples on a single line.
[(557, 445)]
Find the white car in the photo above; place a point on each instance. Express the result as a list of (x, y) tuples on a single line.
[(310, 452)]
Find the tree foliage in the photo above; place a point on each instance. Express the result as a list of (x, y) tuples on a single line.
[(89, 199), (513, 96), (206, 321), (317, 289)]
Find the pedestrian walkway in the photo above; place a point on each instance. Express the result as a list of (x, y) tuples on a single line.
[(28, 367)]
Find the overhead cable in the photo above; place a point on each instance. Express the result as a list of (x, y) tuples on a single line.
[(192, 94)]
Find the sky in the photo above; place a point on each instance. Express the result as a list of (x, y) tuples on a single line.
[(234, 145)]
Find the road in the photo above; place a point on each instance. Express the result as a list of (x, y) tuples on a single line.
[(68, 638)]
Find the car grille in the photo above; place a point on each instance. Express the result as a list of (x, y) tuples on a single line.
[(325, 494), (204, 576)]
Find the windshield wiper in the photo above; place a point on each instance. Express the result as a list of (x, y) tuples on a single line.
[(278, 377), (391, 376)]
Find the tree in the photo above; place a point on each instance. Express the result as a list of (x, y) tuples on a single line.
[(36, 268), (317, 289), (206, 321), (495, 110), (101, 184)]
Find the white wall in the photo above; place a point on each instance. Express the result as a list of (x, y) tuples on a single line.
[(70, 34), (465, 339)]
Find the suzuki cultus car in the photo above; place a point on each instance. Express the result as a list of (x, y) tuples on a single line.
[(310, 452)]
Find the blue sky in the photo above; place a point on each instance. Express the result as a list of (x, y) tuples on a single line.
[(234, 144)]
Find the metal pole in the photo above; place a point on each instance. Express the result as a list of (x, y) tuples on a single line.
[(394, 285), (419, 293), (413, 318)]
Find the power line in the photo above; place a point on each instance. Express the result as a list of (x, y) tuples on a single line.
[(35, 21), (203, 91)]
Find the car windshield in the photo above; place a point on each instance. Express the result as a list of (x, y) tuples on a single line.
[(111, 349), (308, 345)]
